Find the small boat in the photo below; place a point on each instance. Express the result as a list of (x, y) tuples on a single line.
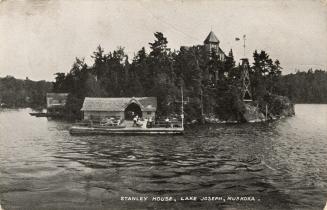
[(38, 114)]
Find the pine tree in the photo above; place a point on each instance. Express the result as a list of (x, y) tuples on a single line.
[(230, 62)]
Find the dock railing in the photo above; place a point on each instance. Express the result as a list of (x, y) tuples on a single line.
[(167, 124)]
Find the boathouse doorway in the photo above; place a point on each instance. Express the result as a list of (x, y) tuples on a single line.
[(132, 110)]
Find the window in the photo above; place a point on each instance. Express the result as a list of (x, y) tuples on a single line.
[(148, 113)]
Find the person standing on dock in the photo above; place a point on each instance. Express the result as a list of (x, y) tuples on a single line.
[(135, 119), (167, 122), (150, 122)]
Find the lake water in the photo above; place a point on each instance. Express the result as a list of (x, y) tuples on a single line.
[(281, 165)]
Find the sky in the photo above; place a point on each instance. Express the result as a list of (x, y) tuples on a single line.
[(41, 37)]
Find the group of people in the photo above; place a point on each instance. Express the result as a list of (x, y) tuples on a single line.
[(137, 122), (149, 123), (136, 119), (110, 121)]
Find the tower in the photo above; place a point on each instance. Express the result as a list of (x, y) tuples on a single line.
[(211, 43), (246, 93)]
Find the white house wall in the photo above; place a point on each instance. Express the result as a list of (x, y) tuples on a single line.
[(103, 114)]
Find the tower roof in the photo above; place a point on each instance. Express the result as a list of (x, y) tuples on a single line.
[(211, 38)]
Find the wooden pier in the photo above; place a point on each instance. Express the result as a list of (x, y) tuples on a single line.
[(83, 130)]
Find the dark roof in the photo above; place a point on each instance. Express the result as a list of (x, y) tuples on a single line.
[(57, 96), (211, 38), (221, 51), (118, 104)]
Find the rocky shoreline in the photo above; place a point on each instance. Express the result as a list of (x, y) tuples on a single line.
[(278, 107)]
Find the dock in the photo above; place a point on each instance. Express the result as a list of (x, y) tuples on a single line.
[(83, 130), (129, 116)]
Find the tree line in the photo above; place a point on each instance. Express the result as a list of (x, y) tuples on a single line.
[(16, 93), (212, 87), (305, 87)]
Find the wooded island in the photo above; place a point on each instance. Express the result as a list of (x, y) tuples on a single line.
[(211, 81)]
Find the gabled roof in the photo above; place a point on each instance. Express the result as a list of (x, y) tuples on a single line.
[(211, 38), (118, 104), (221, 51), (58, 96)]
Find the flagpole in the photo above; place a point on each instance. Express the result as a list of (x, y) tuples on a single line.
[(244, 46), (182, 107), (244, 38)]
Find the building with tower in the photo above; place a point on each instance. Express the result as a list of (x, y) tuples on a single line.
[(209, 47), (211, 44)]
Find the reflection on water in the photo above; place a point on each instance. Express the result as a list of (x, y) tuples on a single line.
[(281, 163)]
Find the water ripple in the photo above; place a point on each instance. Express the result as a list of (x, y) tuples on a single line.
[(283, 163)]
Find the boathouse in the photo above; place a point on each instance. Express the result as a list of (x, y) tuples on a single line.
[(56, 103), (124, 108)]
